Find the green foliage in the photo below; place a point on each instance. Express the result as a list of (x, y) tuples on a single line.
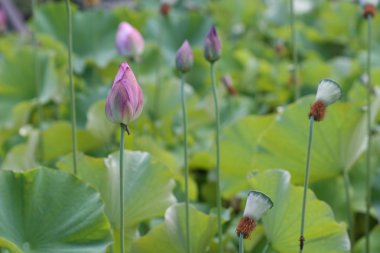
[(48, 211), (374, 239), (338, 140), (170, 236), (93, 33), (282, 222), (19, 82), (148, 186), (263, 128)]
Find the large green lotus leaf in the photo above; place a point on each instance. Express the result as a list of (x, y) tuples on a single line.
[(56, 140), (171, 235), (148, 185), (374, 242), (174, 163), (18, 81), (338, 140), (237, 149), (332, 192), (93, 32), (282, 222), (47, 211)]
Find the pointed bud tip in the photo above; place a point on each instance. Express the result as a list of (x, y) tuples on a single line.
[(184, 57), (212, 45), (125, 101)]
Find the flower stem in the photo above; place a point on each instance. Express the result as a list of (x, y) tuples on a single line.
[(294, 54), (123, 128), (38, 85), (241, 244), (72, 90), (306, 183), (184, 117), (217, 128), (369, 139), (349, 207)]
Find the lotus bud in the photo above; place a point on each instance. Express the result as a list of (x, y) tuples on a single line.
[(125, 100), (328, 93), (212, 46), (369, 7), (184, 58), (256, 206), (3, 20), (227, 82), (129, 41)]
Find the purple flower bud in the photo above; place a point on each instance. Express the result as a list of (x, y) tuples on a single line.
[(184, 58), (129, 41), (212, 46), (3, 20), (125, 100)]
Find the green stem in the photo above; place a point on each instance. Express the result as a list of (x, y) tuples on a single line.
[(123, 128), (38, 85), (369, 139), (349, 207), (294, 54), (217, 128), (306, 184), (184, 117), (72, 90), (241, 244)]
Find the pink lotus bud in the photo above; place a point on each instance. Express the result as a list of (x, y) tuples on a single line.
[(125, 101), (3, 20), (129, 41), (184, 58), (212, 46)]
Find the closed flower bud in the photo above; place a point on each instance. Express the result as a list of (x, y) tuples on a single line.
[(328, 93), (125, 100), (212, 46), (184, 58), (3, 20), (129, 41), (256, 206)]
